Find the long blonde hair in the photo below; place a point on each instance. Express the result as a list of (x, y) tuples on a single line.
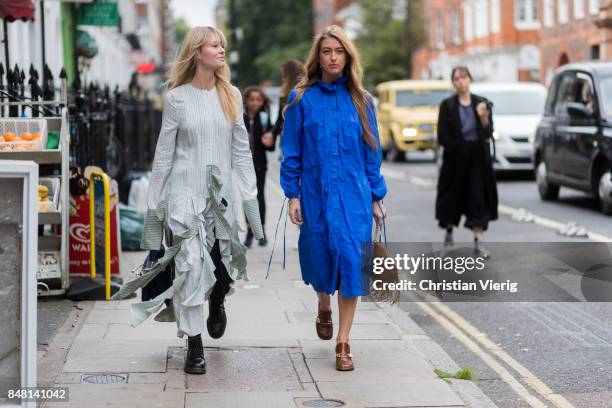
[(183, 69), (352, 71)]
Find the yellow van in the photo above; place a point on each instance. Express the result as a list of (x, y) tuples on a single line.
[(408, 115)]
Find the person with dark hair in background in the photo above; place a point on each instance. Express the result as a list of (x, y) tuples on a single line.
[(261, 139), (292, 73), (466, 185)]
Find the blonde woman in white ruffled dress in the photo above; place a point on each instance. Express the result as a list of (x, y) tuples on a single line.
[(202, 139)]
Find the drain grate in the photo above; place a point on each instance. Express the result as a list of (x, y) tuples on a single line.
[(104, 378), (323, 403)]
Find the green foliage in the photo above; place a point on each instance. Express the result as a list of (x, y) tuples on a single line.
[(463, 374), (274, 31), (181, 28), (391, 31)]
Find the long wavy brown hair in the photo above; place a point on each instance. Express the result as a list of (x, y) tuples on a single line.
[(183, 69), (352, 71), (293, 71)]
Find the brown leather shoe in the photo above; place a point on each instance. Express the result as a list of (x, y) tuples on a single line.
[(344, 358), (325, 327)]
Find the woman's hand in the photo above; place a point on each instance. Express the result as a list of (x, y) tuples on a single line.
[(295, 211), (267, 139), (378, 213), (483, 114)]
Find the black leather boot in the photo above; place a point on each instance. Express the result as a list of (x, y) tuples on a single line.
[(194, 361), (217, 320)]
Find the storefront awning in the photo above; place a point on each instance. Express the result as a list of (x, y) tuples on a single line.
[(12, 10)]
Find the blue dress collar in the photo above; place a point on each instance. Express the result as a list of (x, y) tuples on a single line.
[(331, 86)]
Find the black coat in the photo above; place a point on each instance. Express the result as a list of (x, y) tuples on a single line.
[(256, 130), (451, 194)]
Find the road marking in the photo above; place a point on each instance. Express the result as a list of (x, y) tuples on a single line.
[(527, 376), (502, 208), (504, 374), (552, 224)]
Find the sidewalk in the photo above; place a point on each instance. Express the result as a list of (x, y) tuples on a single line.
[(270, 355)]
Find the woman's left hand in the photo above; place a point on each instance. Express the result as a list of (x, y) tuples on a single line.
[(378, 213), (482, 110)]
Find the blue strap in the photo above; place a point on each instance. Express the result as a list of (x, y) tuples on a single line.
[(280, 216), (285, 239), (384, 228)]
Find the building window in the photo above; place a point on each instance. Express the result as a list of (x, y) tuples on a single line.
[(563, 11), (578, 9), (455, 27), (595, 52), (526, 15), (495, 16), (468, 22), (548, 13), (594, 6), (482, 18), (439, 31)]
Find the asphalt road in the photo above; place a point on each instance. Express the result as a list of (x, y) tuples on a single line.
[(565, 346)]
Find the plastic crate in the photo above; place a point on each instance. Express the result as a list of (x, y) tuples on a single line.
[(53, 184), (19, 127)]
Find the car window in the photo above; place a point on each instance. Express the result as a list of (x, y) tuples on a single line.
[(550, 99), (584, 94), (518, 102), (420, 98), (606, 96), (566, 92)]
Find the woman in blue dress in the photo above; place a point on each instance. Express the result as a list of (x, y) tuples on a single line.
[(331, 175)]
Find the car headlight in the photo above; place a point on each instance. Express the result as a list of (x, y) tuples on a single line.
[(409, 132), (497, 135)]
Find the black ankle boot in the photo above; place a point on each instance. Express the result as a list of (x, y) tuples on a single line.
[(217, 320), (194, 361), (249, 238)]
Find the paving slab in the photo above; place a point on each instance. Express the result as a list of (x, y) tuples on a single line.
[(373, 364), (363, 317), (385, 331), (116, 356), (165, 332), (120, 396), (325, 349), (433, 393), (240, 399)]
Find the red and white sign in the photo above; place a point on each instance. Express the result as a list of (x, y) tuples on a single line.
[(80, 249)]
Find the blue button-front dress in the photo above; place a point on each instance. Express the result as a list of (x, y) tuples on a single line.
[(336, 175)]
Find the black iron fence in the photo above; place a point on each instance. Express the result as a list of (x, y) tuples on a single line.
[(115, 130)]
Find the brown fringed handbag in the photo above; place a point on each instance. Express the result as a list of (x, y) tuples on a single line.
[(389, 275)]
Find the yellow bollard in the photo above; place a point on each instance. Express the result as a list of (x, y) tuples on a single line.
[(103, 178)]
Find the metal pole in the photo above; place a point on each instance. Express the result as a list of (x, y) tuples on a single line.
[(233, 37), (5, 41), (42, 30)]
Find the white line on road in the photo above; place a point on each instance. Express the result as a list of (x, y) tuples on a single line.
[(527, 376), (552, 224), (502, 208), (504, 374)]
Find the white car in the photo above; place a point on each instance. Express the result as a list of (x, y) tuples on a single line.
[(517, 110)]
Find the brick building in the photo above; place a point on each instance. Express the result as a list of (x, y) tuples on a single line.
[(569, 34), (511, 40), (479, 34)]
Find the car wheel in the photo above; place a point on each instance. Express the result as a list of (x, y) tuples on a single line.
[(605, 193), (547, 190), (395, 154)]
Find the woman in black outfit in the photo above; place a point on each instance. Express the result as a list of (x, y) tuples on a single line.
[(292, 72), (466, 185), (257, 122)]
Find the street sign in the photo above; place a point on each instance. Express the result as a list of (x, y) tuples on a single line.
[(98, 14)]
